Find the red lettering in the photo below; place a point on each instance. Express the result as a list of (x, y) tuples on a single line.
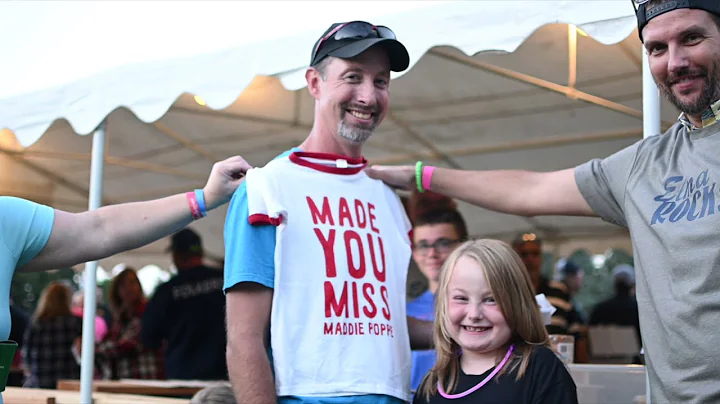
[(328, 329), (332, 304), (328, 246), (379, 275), (360, 209), (368, 287), (371, 208), (325, 216), (386, 310), (383, 328), (345, 213), (356, 305), (338, 329), (390, 332), (357, 272)]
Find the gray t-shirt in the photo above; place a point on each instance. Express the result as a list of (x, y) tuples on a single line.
[(663, 189)]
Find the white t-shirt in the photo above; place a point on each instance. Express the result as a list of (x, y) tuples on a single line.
[(338, 320)]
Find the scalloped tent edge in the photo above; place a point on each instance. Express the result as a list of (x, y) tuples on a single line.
[(150, 89)]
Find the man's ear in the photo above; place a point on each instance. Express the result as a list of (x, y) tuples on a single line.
[(312, 76)]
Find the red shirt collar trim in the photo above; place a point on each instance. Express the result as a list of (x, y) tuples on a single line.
[(305, 159)]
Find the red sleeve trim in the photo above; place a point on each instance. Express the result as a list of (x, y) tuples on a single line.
[(260, 219)]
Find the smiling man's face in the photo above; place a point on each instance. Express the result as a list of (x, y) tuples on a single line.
[(355, 94), (683, 48)]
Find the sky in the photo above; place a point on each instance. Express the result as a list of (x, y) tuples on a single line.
[(49, 43)]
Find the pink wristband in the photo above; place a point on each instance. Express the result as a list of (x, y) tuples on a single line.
[(194, 206), (427, 176)]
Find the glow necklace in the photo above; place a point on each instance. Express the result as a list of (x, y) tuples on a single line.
[(482, 383)]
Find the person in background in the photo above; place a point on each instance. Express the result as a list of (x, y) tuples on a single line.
[(565, 320), (215, 394), (436, 234), (47, 348), (188, 313), (622, 308), (572, 276), (122, 353), (101, 328)]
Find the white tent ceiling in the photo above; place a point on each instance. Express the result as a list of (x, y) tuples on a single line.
[(540, 107)]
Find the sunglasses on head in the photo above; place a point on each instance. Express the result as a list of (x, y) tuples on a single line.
[(355, 29)]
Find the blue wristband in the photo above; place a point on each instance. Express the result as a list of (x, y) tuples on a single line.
[(200, 196)]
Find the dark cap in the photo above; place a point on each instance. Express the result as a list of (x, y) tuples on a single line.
[(644, 13), (568, 268), (348, 48), (185, 240)]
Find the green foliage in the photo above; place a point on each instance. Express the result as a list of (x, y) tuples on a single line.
[(26, 287)]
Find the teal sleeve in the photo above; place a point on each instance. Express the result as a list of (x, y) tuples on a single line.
[(25, 228), (249, 249)]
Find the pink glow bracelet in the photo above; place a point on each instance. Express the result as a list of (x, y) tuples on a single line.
[(194, 206), (427, 176)]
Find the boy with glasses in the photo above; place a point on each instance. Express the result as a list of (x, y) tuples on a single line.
[(436, 234)]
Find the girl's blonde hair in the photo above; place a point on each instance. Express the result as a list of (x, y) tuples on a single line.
[(54, 302), (512, 289)]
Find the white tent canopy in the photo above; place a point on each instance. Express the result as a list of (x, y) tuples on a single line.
[(492, 84)]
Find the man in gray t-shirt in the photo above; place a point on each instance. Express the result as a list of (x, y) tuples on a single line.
[(664, 189)]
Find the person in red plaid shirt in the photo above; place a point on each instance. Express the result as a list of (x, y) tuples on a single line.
[(122, 354)]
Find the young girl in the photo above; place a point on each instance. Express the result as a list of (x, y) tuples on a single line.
[(491, 343)]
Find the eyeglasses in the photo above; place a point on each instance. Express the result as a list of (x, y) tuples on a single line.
[(441, 245), (355, 29)]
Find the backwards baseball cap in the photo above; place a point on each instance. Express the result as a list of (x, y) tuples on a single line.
[(185, 240), (349, 39), (646, 11), (567, 268), (624, 273)]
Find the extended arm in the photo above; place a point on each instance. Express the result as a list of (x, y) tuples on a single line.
[(92, 235), (248, 325), (515, 192)]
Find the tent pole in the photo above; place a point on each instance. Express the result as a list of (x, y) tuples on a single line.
[(651, 127), (87, 367)]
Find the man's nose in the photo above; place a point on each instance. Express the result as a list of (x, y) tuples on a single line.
[(366, 93), (678, 59)]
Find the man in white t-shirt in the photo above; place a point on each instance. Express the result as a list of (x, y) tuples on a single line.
[(317, 252)]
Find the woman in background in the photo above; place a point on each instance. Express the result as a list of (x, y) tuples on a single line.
[(47, 348), (121, 351)]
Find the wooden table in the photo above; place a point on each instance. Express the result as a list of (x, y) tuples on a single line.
[(21, 395), (157, 388)]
